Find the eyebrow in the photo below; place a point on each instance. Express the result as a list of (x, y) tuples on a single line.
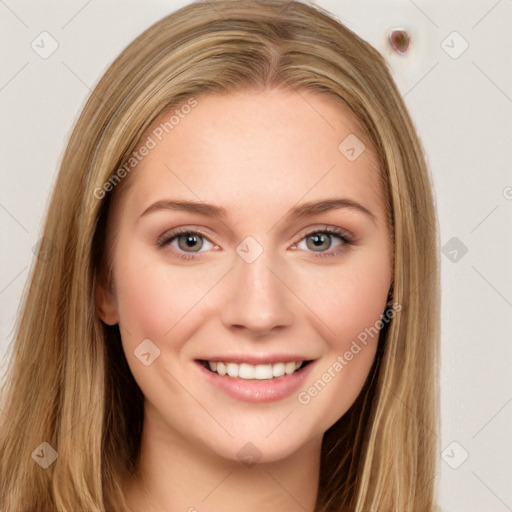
[(308, 209)]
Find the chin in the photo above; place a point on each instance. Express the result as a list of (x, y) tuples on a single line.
[(250, 446)]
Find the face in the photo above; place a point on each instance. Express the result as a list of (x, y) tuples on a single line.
[(274, 287)]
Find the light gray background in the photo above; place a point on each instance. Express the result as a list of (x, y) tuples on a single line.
[(462, 108)]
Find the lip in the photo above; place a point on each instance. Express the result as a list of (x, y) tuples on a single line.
[(256, 359), (257, 391)]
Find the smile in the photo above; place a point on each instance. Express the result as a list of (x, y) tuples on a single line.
[(256, 378), (248, 371)]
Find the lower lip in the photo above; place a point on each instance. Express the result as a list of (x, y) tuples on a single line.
[(257, 391)]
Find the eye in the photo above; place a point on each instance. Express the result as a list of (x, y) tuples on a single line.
[(321, 240), (184, 240)]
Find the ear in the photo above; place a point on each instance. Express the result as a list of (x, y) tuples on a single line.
[(106, 303)]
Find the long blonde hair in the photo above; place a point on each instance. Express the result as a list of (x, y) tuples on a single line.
[(68, 383)]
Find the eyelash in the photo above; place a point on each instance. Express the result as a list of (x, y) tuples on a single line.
[(342, 235)]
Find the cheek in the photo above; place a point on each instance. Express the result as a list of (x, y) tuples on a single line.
[(142, 301), (348, 299), (153, 299), (348, 303)]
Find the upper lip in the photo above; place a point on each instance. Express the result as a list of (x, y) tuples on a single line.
[(255, 359)]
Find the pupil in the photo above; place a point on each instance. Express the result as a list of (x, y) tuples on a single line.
[(190, 241), (319, 239)]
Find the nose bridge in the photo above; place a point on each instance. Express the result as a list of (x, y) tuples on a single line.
[(257, 298)]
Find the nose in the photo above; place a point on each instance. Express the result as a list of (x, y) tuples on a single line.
[(258, 298)]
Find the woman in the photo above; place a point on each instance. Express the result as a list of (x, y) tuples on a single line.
[(183, 344)]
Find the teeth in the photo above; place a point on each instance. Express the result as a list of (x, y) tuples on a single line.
[(246, 371), (263, 371), (278, 370), (259, 372), (221, 369), (289, 368), (232, 369)]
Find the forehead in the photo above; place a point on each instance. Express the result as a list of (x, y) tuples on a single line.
[(254, 147)]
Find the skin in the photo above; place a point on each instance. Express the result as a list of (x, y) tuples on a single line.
[(257, 155)]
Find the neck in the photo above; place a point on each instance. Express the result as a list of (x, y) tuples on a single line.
[(173, 475)]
